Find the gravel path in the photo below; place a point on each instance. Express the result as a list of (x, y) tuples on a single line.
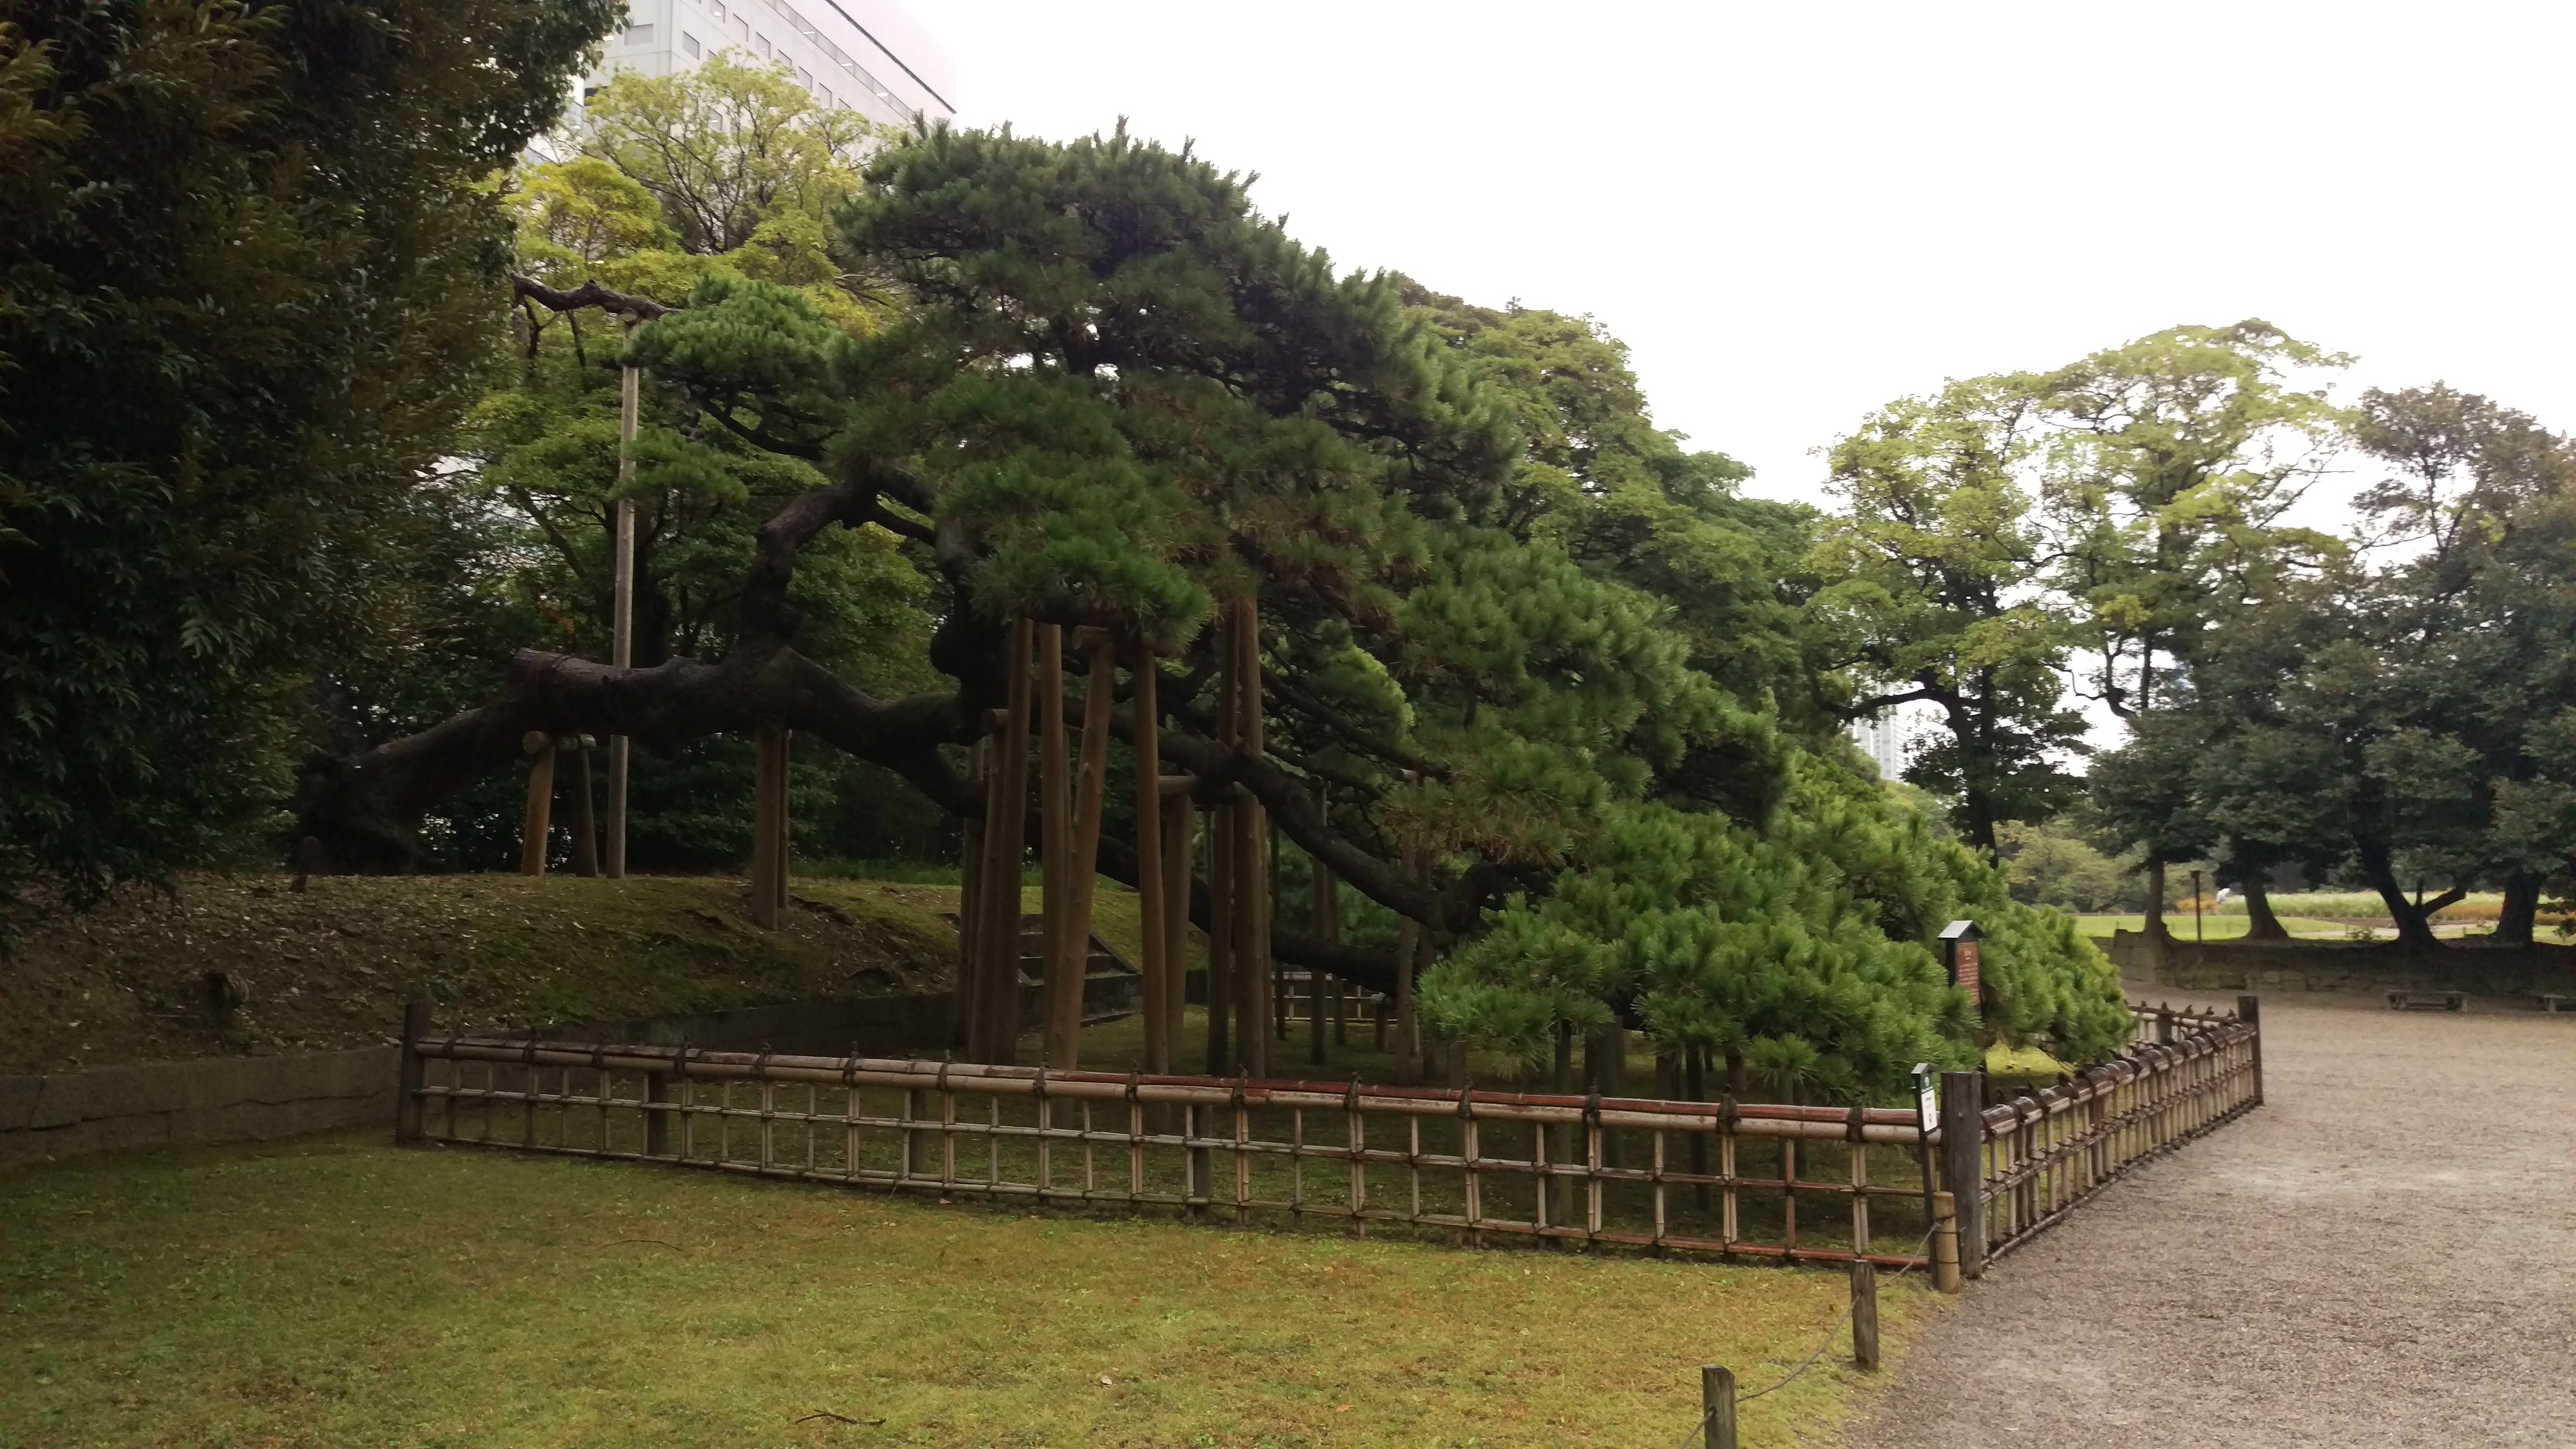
[(2382, 1254)]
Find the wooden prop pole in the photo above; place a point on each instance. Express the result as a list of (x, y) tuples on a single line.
[(1082, 862), (541, 802), (1179, 816), (782, 855), (1327, 926), (1058, 964), (585, 831), (1408, 1021), (997, 1008), (1222, 859), (970, 900), (621, 630), (767, 766), (1252, 871), (1149, 863)]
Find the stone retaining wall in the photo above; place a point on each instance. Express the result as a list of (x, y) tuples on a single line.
[(219, 1099), (2348, 966)]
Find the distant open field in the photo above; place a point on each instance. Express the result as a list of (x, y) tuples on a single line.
[(2211, 927)]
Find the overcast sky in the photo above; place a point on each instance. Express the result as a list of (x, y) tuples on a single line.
[(1795, 212)]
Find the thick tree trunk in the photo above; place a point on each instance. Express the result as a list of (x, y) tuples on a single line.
[(2157, 936), (2414, 919), (2521, 910), (2260, 923)]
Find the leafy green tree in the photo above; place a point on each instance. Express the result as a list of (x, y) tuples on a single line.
[(247, 269), (1931, 599), (2171, 463), (2044, 865)]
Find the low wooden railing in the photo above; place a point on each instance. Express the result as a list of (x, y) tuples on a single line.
[(1725, 1178), (2049, 1150)]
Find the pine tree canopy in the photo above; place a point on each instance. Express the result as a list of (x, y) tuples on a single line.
[(1506, 622)]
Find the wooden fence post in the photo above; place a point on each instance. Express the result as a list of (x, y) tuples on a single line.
[(1945, 1243), (541, 801), (1963, 1170), (1717, 1407), (657, 1125), (2249, 1010), (413, 1074), (1864, 1290)]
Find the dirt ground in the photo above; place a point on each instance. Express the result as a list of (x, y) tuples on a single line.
[(2384, 1254)]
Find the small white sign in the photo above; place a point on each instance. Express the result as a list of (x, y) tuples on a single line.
[(1927, 1096)]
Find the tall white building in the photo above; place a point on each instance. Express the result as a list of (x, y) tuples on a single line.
[(864, 55), (1882, 737)]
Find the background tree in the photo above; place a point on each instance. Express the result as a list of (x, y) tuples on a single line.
[(247, 268), (1932, 598)]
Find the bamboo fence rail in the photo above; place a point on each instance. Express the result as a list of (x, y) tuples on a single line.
[(1785, 1183)]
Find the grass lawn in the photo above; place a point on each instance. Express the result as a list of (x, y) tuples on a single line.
[(337, 1291), (2211, 927)]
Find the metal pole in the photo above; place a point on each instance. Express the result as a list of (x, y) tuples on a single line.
[(2195, 908), (621, 624)]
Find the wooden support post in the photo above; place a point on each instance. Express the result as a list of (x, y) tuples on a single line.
[(657, 1125), (1082, 851), (1717, 1407), (1219, 840), (1864, 1314), (1327, 926), (1252, 871), (768, 775), (413, 1074), (1963, 1157), (585, 831), (1178, 819), (1149, 862), (1059, 965), (996, 1018), (781, 820), (2249, 1010), (970, 901), (541, 801), (1408, 1020), (621, 598)]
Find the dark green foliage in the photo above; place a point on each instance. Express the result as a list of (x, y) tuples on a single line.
[(246, 270)]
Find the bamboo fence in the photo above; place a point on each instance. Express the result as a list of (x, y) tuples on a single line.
[(1786, 1183), (2046, 1152)]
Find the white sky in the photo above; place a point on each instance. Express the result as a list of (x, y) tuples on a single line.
[(1795, 212)]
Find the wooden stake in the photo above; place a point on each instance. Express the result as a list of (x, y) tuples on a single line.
[(1717, 1407), (1864, 1291), (1058, 963), (1082, 858), (997, 1008), (541, 801), (1150, 884), (585, 832)]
